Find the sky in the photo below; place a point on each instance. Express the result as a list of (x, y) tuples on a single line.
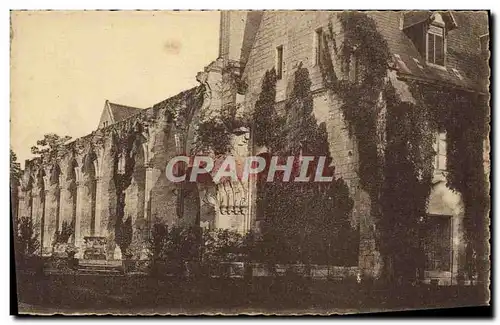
[(64, 65)]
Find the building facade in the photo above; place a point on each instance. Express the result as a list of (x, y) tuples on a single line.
[(118, 171)]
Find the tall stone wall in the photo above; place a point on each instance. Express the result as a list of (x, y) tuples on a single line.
[(79, 188), (296, 32)]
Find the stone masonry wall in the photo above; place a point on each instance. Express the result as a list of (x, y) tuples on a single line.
[(296, 32)]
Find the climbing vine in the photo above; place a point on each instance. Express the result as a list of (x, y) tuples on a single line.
[(304, 222), (397, 169), (365, 46), (264, 115), (123, 152), (463, 117)]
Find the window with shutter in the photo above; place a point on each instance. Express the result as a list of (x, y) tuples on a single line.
[(436, 45)]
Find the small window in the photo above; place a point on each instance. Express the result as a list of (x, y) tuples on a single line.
[(318, 41), (440, 149), (105, 123), (435, 45), (279, 62)]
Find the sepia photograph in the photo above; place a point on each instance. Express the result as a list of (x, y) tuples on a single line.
[(263, 162)]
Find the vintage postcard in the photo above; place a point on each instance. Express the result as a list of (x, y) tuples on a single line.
[(250, 162)]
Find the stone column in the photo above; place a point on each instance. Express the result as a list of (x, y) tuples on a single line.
[(86, 207), (37, 213), (66, 204), (50, 222), (98, 209), (152, 175), (80, 189), (106, 196), (21, 209)]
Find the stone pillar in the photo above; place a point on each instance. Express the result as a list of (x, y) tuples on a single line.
[(66, 204), (37, 213), (152, 175), (98, 209), (86, 207), (79, 211), (147, 196), (51, 215), (21, 210)]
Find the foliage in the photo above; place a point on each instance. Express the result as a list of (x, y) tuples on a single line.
[(26, 240), (177, 244), (215, 129), (466, 130), (408, 172), (124, 150), (264, 115), (214, 134), (396, 170), (363, 43), (123, 235), (15, 168), (52, 145), (221, 245), (67, 230), (304, 222)]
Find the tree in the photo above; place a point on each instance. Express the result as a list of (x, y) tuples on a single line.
[(304, 222), (15, 177), (26, 240), (67, 230), (124, 236), (15, 168), (264, 115), (51, 144)]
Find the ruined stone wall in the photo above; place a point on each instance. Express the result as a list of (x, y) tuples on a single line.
[(80, 186)]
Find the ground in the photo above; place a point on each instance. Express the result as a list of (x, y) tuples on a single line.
[(134, 294)]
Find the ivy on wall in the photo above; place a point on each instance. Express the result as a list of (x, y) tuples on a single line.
[(463, 116), (304, 222), (264, 115), (124, 153), (398, 178), (215, 127)]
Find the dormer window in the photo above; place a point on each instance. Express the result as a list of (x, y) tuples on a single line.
[(428, 31), (436, 45)]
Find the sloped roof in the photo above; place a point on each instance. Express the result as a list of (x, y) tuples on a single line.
[(462, 47), (121, 112), (411, 18)]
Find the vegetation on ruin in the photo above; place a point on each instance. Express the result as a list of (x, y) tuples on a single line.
[(15, 168), (396, 170), (179, 245), (125, 147), (67, 230), (216, 127), (214, 132), (303, 222), (51, 147), (463, 116), (26, 243), (265, 116)]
